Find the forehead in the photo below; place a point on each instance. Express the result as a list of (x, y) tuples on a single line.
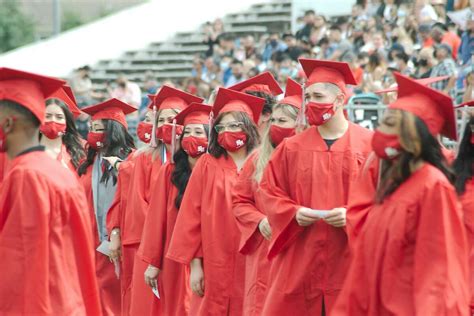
[(194, 126), (227, 117), (54, 109), (98, 123), (167, 113), (319, 88), (279, 112)]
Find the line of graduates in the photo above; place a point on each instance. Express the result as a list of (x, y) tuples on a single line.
[(254, 205)]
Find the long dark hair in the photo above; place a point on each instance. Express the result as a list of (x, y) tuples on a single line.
[(249, 128), (464, 164), (419, 145), (118, 142), (182, 171), (71, 139), (270, 100)]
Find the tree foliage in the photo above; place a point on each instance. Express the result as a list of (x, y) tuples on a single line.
[(16, 29)]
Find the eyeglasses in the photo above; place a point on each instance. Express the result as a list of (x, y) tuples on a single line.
[(231, 126)]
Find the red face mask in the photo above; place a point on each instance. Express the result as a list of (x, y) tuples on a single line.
[(232, 141), (386, 146), (194, 146), (53, 130), (472, 138), (95, 140), (319, 113), (144, 131), (165, 131), (278, 134)]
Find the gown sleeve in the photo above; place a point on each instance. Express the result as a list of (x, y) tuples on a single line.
[(186, 240), (247, 215), (154, 231), (279, 207), (441, 252)]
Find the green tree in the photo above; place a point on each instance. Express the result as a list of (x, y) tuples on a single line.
[(16, 29), (70, 20)]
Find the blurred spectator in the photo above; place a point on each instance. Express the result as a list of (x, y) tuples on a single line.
[(440, 8), (401, 61), (274, 45), (150, 86), (358, 14), (286, 68), (318, 30), (248, 44), (375, 73), (237, 73), (441, 34), (225, 47), (211, 33), (81, 84), (445, 67), (358, 72), (308, 20), (388, 11), (293, 50), (425, 63), (337, 45), (466, 49), (425, 12)]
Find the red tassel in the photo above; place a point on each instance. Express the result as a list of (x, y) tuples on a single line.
[(153, 142)]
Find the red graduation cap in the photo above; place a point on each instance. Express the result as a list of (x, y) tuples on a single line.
[(263, 82), (334, 72), (234, 101), (28, 89), (293, 94), (423, 81), (196, 113), (171, 98), (66, 95), (434, 108), (112, 109)]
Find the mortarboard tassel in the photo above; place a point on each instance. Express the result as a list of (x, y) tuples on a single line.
[(153, 142), (173, 140), (211, 122), (301, 119)]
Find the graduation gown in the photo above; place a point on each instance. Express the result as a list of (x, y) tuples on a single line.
[(4, 164), (206, 228), (46, 246), (411, 255), (467, 200), (173, 279), (109, 285), (309, 263), (248, 211)]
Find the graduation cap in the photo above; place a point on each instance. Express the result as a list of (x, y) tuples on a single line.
[(112, 109), (234, 101), (66, 95), (423, 81), (196, 113), (334, 72), (263, 82), (28, 89), (171, 98), (293, 94), (434, 108)]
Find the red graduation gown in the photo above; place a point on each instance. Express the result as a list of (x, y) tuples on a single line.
[(467, 200), (309, 263), (206, 228), (411, 256), (173, 280), (46, 247), (4, 165), (248, 210), (109, 286)]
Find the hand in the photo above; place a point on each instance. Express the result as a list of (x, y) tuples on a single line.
[(197, 277), (265, 229), (115, 247), (151, 276), (336, 217), (112, 160), (305, 216)]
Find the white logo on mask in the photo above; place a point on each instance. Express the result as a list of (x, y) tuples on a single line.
[(201, 149), (326, 116), (391, 152), (239, 143)]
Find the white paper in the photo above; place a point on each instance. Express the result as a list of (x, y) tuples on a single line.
[(104, 248), (460, 17), (155, 291)]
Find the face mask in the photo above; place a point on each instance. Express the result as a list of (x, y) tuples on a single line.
[(95, 140), (319, 113), (165, 131), (53, 130), (224, 65), (386, 146), (194, 146), (423, 62), (472, 138), (274, 43), (278, 134), (144, 131), (232, 141)]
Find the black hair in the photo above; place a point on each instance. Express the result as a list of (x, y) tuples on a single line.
[(399, 171), (182, 171), (249, 128), (464, 163), (308, 12), (235, 61), (403, 56), (335, 27), (270, 100), (71, 139), (286, 35), (118, 143), (21, 110)]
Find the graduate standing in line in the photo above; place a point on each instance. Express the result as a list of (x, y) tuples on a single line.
[(205, 234), (247, 205), (169, 277), (46, 246), (305, 191), (411, 255), (59, 135), (108, 136)]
